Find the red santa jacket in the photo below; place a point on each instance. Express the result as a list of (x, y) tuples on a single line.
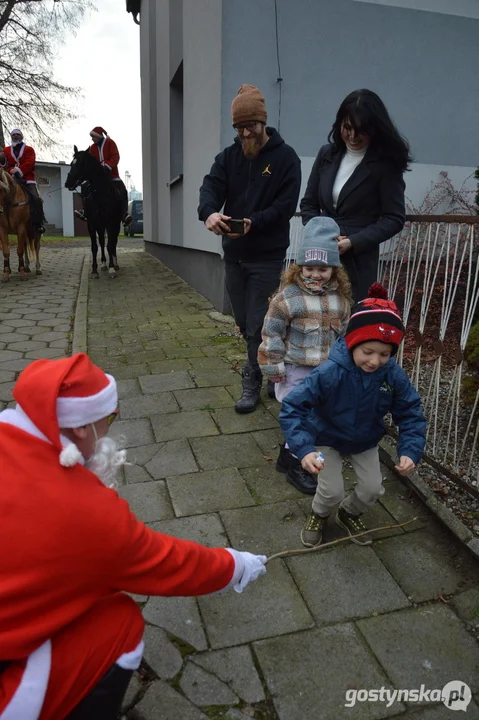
[(25, 161), (107, 153)]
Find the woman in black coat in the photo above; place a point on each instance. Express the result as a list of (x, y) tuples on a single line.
[(357, 179)]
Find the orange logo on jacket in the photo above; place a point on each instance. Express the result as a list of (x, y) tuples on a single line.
[(267, 170)]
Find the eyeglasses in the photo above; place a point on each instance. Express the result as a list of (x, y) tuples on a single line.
[(246, 126), (112, 417)]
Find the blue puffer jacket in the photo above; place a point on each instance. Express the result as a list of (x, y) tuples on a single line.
[(343, 407)]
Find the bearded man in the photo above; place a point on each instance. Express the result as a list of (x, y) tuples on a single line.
[(257, 179), (69, 637)]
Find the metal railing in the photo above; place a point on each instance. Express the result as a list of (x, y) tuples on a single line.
[(431, 269)]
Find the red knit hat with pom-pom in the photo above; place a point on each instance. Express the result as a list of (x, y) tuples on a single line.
[(375, 318)]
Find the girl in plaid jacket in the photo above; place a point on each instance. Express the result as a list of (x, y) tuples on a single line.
[(303, 321)]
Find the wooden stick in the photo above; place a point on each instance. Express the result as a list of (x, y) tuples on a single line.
[(301, 551)]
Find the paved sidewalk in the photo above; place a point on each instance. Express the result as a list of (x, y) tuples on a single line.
[(398, 614), (36, 315)]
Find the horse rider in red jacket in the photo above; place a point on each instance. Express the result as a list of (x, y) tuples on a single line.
[(18, 159), (105, 150)]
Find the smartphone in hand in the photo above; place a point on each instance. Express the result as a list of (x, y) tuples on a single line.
[(236, 226)]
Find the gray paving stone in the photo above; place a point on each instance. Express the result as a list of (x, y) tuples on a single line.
[(161, 702), (235, 667), (440, 712), (140, 406), (215, 378), (267, 485), (148, 500), (59, 343), (37, 316), (205, 529), (135, 432), (132, 692), (402, 505), (142, 454), (208, 492), (179, 616), (316, 670), (183, 425), (26, 345), (51, 321), (51, 336), (6, 338), (467, 604), (269, 440), (22, 322), (165, 382), (203, 398), (127, 371), (10, 316), (433, 565), (161, 655), (184, 352), (345, 582), (229, 421), (209, 363), (173, 458), (46, 353), (166, 366), (227, 451), (6, 391), (270, 606), (426, 645), (6, 376), (203, 688), (10, 354), (128, 389), (136, 474), (265, 529)]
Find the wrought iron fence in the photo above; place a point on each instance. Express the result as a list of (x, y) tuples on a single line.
[(431, 270)]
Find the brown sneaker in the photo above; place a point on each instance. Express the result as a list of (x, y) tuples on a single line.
[(353, 525), (312, 532)]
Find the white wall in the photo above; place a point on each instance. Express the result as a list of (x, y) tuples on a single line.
[(202, 111), (67, 204), (51, 194)]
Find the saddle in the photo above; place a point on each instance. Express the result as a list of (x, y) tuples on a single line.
[(35, 203)]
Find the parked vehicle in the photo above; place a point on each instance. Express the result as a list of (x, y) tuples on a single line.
[(135, 209)]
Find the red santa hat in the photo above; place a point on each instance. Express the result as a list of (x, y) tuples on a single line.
[(67, 393), (98, 132)]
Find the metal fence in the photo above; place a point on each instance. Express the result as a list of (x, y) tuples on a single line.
[(431, 270)]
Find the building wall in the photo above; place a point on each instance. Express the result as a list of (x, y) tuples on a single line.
[(51, 194), (422, 64)]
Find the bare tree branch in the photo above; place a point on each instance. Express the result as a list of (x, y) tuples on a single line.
[(30, 33)]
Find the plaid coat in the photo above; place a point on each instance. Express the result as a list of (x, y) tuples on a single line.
[(300, 328)]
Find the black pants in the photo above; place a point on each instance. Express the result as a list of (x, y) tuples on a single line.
[(249, 286)]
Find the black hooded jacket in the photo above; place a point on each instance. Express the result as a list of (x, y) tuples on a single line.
[(265, 190)]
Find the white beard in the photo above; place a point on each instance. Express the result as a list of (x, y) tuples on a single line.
[(106, 461)]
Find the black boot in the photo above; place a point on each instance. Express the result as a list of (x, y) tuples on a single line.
[(300, 478), (284, 459), (270, 390), (251, 391), (103, 702)]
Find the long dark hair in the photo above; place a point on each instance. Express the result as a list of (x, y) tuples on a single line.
[(366, 111)]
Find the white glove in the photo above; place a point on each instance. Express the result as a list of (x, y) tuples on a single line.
[(248, 568), (15, 170)]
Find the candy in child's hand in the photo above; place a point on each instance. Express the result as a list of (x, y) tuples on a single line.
[(320, 457)]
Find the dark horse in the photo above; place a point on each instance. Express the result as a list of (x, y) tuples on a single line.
[(103, 206)]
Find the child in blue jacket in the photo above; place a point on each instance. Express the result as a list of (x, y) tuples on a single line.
[(339, 409)]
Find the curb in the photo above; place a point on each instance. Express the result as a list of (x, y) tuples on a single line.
[(79, 341), (428, 497)]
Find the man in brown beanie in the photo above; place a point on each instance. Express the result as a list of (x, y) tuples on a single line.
[(257, 179)]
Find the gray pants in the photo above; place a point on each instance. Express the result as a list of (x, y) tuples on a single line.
[(330, 489)]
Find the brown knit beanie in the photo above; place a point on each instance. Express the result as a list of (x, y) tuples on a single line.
[(248, 105)]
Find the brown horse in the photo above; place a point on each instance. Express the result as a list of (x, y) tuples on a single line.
[(15, 219)]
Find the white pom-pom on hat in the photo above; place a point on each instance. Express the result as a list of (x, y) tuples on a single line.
[(70, 455)]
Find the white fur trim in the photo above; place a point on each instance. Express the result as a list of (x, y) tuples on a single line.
[(70, 455), (18, 418), (95, 134), (16, 131), (26, 704), (131, 660), (74, 412)]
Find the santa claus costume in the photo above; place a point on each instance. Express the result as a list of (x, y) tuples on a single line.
[(20, 158), (70, 546)]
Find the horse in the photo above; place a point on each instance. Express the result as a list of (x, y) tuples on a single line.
[(103, 207), (15, 218)]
